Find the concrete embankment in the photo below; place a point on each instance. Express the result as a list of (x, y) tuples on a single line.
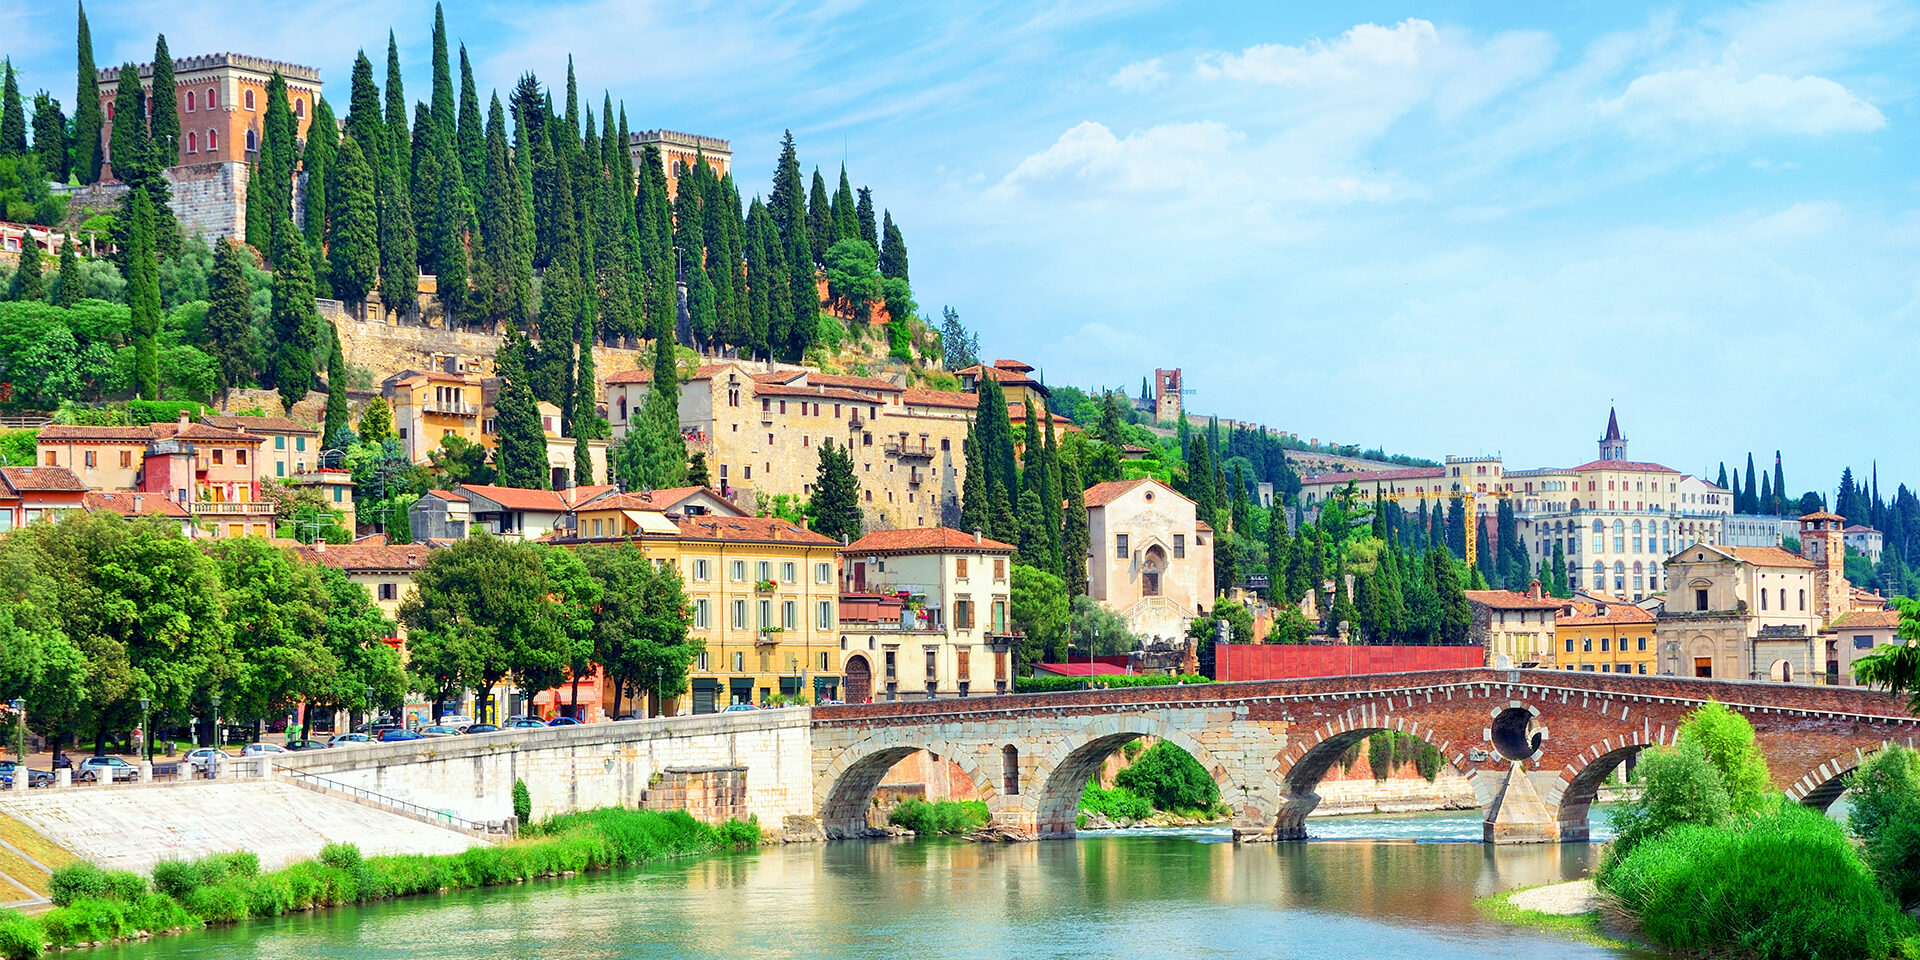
[(133, 827), (1448, 791)]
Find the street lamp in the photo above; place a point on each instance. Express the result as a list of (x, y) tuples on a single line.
[(369, 692), (20, 721), (146, 730), (215, 700)]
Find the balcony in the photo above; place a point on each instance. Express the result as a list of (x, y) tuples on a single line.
[(856, 421), (451, 407), (763, 587), (231, 508), (768, 636), (920, 451)]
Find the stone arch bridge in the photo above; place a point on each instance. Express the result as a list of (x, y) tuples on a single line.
[(1536, 744)]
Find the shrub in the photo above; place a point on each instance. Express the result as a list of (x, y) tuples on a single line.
[(1727, 738), (340, 856), (738, 833), (78, 881), (1781, 883), (1055, 684), (940, 816), (1118, 804), (218, 903), (1884, 788), (86, 921), (20, 937), (157, 913), (1170, 779), (522, 802), (1678, 786), (125, 885)]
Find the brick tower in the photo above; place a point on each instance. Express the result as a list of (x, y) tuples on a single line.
[(1823, 541), (1167, 407)]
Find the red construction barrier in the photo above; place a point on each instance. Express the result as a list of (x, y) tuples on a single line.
[(1287, 661)]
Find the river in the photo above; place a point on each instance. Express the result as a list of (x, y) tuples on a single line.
[(1371, 887)]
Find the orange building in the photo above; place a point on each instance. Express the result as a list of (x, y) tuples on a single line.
[(221, 99), (678, 152), (1604, 636)]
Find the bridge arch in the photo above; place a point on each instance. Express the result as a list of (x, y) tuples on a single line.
[(1062, 772), (843, 794)]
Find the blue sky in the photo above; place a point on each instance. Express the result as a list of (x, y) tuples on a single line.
[(1439, 227)]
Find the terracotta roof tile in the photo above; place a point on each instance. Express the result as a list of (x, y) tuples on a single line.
[(1769, 557), (1509, 600), (927, 538), (1869, 619), (515, 498), (750, 529), (1589, 615), (1630, 466), (939, 398), (42, 480), (85, 433), (352, 557), (811, 393), (1366, 477), (1821, 515), (131, 504), (645, 374), (260, 424)]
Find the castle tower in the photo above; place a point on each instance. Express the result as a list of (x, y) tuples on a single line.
[(1167, 407), (1613, 446), (1823, 541)]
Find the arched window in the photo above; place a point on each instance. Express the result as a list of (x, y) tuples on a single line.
[(247, 99), (1803, 600), (1619, 526), (193, 142), (253, 140), (1010, 770), (1636, 526), (1599, 571), (623, 406), (213, 98), (109, 111), (213, 140), (299, 106), (1619, 566), (190, 99)]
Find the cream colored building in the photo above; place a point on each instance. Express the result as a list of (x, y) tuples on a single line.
[(291, 448), (1755, 613), (1515, 629), (761, 431), (1151, 557), (924, 613), (385, 569)]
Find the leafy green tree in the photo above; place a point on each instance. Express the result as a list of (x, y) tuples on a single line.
[(640, 628), (353, 225), (961, 348), (521, 456), (835, 505), (577, 595), (275, 607), (1171, 779), (1727, 738), (354, 631), (293, 321), (1678, 785), (1039, 612), (376, 422), (1093, 627), (38, 663), (482, 610), (164, 123), (143, 296), (50, 138), (88, 119)]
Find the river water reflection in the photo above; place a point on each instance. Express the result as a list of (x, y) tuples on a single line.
[(1132, 895)]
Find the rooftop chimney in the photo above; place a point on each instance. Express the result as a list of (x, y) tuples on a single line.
[(138, 501), (320, 546), (1533, 588), (976, 535), (183, 419)]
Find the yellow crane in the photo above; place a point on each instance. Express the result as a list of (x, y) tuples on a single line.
[(1469, 507)]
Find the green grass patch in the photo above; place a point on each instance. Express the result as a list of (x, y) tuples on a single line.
[(1584, 927), (940, 816)]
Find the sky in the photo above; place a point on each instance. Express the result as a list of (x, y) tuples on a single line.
[(1437, 227)]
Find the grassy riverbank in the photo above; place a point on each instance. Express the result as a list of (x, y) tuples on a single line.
[(96, 906), (939, 816), (1585, 927)]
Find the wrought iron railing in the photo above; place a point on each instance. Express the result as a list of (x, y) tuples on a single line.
[(393, 803)]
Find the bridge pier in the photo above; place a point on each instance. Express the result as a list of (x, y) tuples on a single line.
[(1517, 814), (1288, 822)]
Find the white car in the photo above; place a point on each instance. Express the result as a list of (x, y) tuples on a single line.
[(198, 759), (261, 749), (456, 721)]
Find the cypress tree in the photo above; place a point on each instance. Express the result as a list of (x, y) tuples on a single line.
[(292, 322), (444, 105), (353, 242), (143, 293), (336, 420), (27, 283), (1779, 487), (521, 456), (1765, 503), (1561, 585), (495, 261), (612, 257), (573, 111), (399, 138), (1073, 534), (13, 116), (364, 124), (50, 138), (820, 222), (1753, 491), (323, 146), (863, 211), (976, 494), (560, 287), (1484, 558), (1003, 523), (996, 437), (846, 216), (893, 250), (164, 125), (270, 187), (130, 151), (470, 137), (1033, 531), (766, 278), (835, 505), (88, 119), (229, 320), (66, 286)]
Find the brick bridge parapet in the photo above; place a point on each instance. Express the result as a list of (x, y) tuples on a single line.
[(1268, 743)]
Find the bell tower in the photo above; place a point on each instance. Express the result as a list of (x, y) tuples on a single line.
[(1823, 541), (1613, 446)]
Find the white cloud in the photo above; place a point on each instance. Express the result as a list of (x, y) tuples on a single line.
[(1719, 98), (1140, 76), (1155, 160)]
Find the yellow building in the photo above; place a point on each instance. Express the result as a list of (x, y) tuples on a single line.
[(763, 594), (1602, 637), (430, 405)]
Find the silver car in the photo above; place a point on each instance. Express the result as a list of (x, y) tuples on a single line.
[(113, 768), (199, 759)]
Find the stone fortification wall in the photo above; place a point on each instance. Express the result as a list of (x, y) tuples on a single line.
[(585, 767), (132, 827), (210, 199), (385, 347)]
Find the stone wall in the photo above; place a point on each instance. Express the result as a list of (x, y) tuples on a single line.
[(384, 346), (210, 199), (711, 794), (586, 767)]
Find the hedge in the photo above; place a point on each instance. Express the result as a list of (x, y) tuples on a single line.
[(1052, 684)]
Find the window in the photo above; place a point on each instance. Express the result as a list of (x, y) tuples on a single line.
[(823, 573), (1120, 551), (248, 100), (739, 614), (700, 614), (1000, 568), (219, 457), (739, 571), (1640, 644), (766, 614), (789, 615), (87, 456), (1763, 599), (126, 461), (1179, 545), (823, 615), (1586, 645), (825, 664), (1803, 601), (190, 100), (300, 443), (789, 572), (963, 614), (213, 140), (389, 591), (279, 443), (1643, 668), (763, 570), (240, 457), (700, 571), (1862, 643), (193, 142), (960, 568), (1010, 770), (53, 459), (702, 662), (1569, 644), (739, 662), (300, 107), (1605, 642), (1700, 599), (253, 141), (213, 98)]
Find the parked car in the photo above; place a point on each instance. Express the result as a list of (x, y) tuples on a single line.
[(399, 735), (456, 721), (439, 732), (740, 708), (563, 722), (198, 759), (35, 778), (522, 723), (482, 728), (340, 738), (297, 745), (626, 716), (261, 749), (113, 768)]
